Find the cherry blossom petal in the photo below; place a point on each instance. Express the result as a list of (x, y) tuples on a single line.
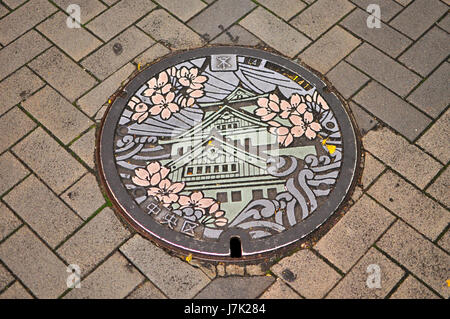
[(308, 98), (310, 134), (165, 184), (285, 106), (152, 83), (136, 116), (184, 72), (196, 86), (158, 99), (322, 102), (221, 222), (274, 98), (142, 173), (153, 191), (140, 182), (308, 116), (268, 117), (274, 106), (155, 179), (200, 79), (173, 107), (296, 119), (261, 111), (282, 130), (285, 114), (289, 139), (173, 197), (263, 102), (176, 187), (196, 93), (166, 114), (162, 79), (274, 124), (166, 88), (219, 213), (295, 100), (184, 200), (142, 117), (205, 202), (184, 82), (164, 172), (149, 92), (297, 131), (154, 167), (315, 126), (193, 72), (301, 108), (156, 109), (214, 207), (196, 196), (141, 107)]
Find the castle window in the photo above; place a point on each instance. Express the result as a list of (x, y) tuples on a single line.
[(208, 169), (257, 194), (180, 151), (272, 193), (216, 168), (199, 169), (233, 167), (236, 196), (189, 171), (222, 197), (235, 125), (225, 168)]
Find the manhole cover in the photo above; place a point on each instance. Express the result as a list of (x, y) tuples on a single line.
[(226, 152)]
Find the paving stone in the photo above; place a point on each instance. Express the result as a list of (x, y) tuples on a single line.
[(43, 211), (16, 291), (268, 28), (372, 169), (429, 51), (18, 87), (392, 110), (346, 79), (183, 281), (219, 16), (332, 47), (21, 51), (36, 266), (236, 287), (94, 99), (184, 10), (84, 147), (117, 52), (364, 120), (444, 242), (403, 2), (346, 242), (110, 2), (407, 159), (439, 188), (237, 35), (151, 54), (411, 288), (384, 69), (384, 38), (285, 9), (14, 125), (3, 10), (169, 31), (76, 42), (235, 270), (425, 260), (254, 270), (124, 14), (279, 290), (114, 279), (84, 196), (48, 160), (355, 286), (23, 19), (5, 277), (147, 290), (8, 222), (309, 275), (94, 241), (388, 8), (13, 4), (424, 214), (57, 114), (99, 115), (433, 94), (62, 73), (320, 16), (429, 12), (445, 23), (88, 8), (11, 171)]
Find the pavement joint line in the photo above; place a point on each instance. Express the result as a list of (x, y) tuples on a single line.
[(439, 237), (435, 177), (396, 286), (80, 135), (300, 12), (16, 279)]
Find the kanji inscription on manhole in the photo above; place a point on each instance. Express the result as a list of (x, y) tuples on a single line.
[(223, 142)]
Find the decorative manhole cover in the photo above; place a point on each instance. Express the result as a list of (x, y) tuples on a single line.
[(227, 147)]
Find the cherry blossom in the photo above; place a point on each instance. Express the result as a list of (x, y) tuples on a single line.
[(190, 78), (268, 107), (163, 105), (296, 105), (151, 175), (166, 192), (195, 200), (140, 109), (158, 85)]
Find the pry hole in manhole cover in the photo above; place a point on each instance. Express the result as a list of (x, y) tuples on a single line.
[(227, 153)]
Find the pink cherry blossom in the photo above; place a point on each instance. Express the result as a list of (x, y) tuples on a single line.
[(151, 175), (195, 201), (190, 97), (312, 129), (284, 135), (190, 78), (158, 85), (140, 109), (163, 105), (319, 100), (166, 192), (295, 105), (268, 107)]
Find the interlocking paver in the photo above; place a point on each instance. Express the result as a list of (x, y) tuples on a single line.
[(8, 221), (237, 35), (13, 4), (49, 160), (407, 159), (3, 10), (320, 16), (445, 23), (113, 279), (76, 42), (279, 290), (384, 38), (433, 94), (428, 52), (110, 2), (171, 32), (57, 114), (94, 241), (84, 196), (372, 169), (420, 256), (21, 51), (332, 47), (88, 8), (346, 242), (268, 27), (147, 290), (411, 288), (403, 2), (117, 52), (309, 275), (424, 214), (184, 10), (124, 14), (285, 9), (16, 291), (84, 147), (439, 188), (18, 87), (14, 124), (11, 171), (429, 12), (219, 16), (62, 73), (183, 281), (384, 69), (346, 79), (354, 285), (151, 54), (388, 8), (36, 265), (364, 120), (23, 19), (5, 277), (236, 287), (444, 242), (92, 101), (392, 110), (43, 211)]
